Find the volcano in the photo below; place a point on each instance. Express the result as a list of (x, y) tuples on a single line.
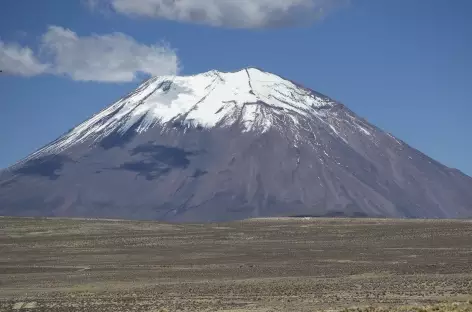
[(225, 146)]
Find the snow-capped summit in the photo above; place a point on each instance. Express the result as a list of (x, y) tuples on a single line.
[(223, 146), (255, 99)]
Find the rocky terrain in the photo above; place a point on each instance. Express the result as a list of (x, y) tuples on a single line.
[(256, 265)]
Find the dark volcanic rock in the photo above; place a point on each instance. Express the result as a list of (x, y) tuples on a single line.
[(224, 146)]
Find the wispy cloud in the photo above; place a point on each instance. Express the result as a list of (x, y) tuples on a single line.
[(19, 60), (113, 57), (226, 13), (106, 58)]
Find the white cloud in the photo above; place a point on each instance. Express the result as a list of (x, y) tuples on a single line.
[(106, 58), (226, 13), (18, 60), (113, 58)]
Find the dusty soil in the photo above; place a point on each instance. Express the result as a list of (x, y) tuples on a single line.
[(255, 265)]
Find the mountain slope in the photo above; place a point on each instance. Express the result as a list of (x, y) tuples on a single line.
[(222, 146)]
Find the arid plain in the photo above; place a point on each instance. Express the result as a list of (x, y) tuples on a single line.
[(301, 264)]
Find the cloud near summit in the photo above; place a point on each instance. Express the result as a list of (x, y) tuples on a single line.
[(112, 57), (226, 13)]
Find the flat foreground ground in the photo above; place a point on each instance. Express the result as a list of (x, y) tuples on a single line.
[(255, 265)]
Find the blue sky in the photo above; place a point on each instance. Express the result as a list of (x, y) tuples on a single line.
[(404, 65)]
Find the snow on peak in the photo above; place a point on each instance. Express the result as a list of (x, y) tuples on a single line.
[(252, 97)]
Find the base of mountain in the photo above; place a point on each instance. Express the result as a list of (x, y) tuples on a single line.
[(262, 265), (439, 307)]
